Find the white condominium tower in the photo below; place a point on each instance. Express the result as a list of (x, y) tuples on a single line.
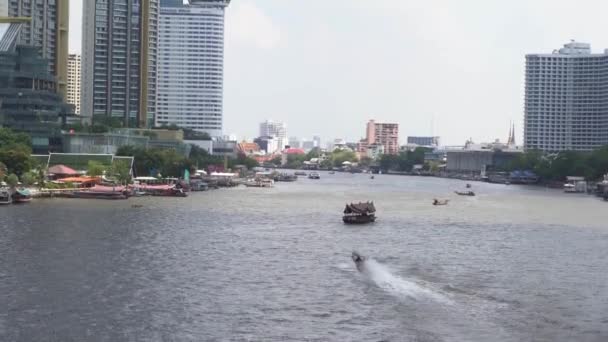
[(72, 95), (191, 65), (566, 102)]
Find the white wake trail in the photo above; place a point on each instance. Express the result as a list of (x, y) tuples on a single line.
[(398, 286)]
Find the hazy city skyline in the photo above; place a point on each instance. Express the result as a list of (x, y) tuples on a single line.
[(433, 67)]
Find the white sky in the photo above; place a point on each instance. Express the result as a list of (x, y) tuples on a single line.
[(452, 68)]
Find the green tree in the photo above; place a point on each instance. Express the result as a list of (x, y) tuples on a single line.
[(95, 169), (3, 170), (121, 170), (339, 157), (314, 153), (365, 161), (9, 138), (326, 164), (17, 159), (12, 180), (29, 178)]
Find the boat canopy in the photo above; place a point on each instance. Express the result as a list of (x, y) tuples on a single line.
[(360, 208), (24, 192)]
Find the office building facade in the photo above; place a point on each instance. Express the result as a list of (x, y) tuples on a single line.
[(424, 141), (386, 134), (119, 51), (72, 95), (276, 129), (191, 65), (46, 28), (566, 100)]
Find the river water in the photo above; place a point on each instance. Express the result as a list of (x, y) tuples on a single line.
[(244, 264)]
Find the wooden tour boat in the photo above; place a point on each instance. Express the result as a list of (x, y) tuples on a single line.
[(360, 213)]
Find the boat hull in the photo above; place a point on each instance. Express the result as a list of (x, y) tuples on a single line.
[(358, 219), (98, 195)]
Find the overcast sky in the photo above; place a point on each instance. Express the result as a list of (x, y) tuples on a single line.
[(451, 68)]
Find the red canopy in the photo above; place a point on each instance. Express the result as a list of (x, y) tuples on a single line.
[(61, 170)]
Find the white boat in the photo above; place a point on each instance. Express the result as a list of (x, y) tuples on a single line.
[(314, 175), (259, 183), (5, 197)]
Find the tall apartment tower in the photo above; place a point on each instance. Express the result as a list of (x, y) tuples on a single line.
[(72, 95), (276, 129), (46, 29), (191, 65), (385, 134), (119, 51), (566, 102)]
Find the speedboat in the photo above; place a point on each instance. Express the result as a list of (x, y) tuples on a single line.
[(359, 261)]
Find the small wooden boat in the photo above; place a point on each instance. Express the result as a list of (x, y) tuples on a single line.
[(440, 202), (465, 193), (359, 213), (300, 173), (332, 172), (22, 196), (468, 186), (5, 197)]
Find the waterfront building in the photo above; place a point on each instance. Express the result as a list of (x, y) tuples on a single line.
[(225, 148), (565, 99), (119, 52), (45, 26), (423, 141), (73, 91), (374, 151), (386, 134), (191, 65), (276, 129), (110, 142), (269, 144)]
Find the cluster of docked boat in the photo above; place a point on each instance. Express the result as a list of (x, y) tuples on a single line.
[(16, 196)]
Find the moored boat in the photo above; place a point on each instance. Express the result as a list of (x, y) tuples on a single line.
[(359, 213), (465, 193), (5, 197), (300, 173), (259, 183), (22, 196)]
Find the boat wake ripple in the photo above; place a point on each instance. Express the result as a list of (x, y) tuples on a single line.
[(398, 286)]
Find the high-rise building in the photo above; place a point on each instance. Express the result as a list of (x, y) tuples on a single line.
[(386, 134), (271, 128), (119, 51), (191, 65), (424, 141), (73, 92), (46, 29), (566, 105)]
